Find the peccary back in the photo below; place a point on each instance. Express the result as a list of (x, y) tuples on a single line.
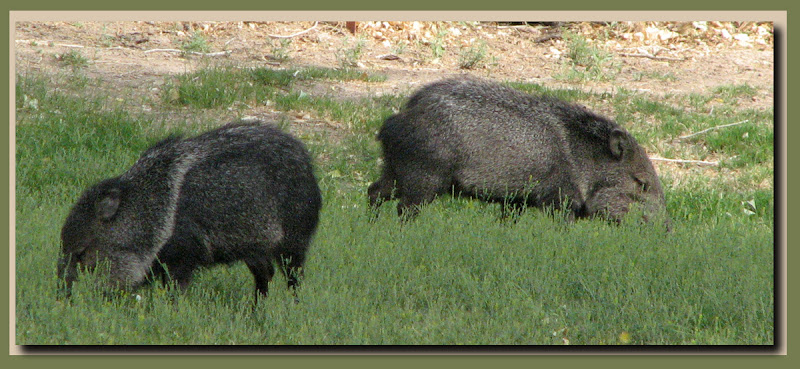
[(242, 192), (477, 138)]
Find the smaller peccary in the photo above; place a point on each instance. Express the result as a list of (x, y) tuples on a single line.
[(242, 192), (481, 139)]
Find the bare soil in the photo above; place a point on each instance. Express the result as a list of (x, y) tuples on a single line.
[(657, 58), (135, 53)]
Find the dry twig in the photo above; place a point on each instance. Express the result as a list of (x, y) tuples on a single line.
[(643, 53), (687, 161), (296, 34), (651, 56), (712, 128), (548, 37), (219, 53)]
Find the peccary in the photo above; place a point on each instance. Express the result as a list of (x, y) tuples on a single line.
[(242, 192), (481, 139)]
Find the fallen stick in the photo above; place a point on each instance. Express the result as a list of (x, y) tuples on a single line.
[(548, 37), (219, 53), (70, 45), (712, 128), (296, 34), (48, 42), (652, 57), (687, 161)]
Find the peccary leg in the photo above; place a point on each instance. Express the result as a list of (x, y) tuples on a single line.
[(182, 276), (178, 259), (416, 192), (510, 209), (382, 190), (262, 273), (293, 270), (67, 274), (408, 208)]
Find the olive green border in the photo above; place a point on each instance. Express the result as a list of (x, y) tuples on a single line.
[(414, 10)]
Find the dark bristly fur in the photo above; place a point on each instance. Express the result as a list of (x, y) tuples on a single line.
[(481, 139), (242, 192)]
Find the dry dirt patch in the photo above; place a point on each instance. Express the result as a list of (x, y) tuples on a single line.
[(134, 59), (699, 56)]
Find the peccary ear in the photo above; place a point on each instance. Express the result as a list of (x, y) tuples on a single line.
[(107, 206), (619, 142)]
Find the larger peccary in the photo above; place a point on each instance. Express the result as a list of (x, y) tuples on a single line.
[(242, 192), (478, 138)]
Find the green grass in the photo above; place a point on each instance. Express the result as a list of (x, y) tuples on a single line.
[(564, 94), (350, 53), (437, 44), (222, 86), (455, 275), (735, 91), (196, 43), (638, 76), (73, 58), (583, 61), (280, 49), (474, 56)]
